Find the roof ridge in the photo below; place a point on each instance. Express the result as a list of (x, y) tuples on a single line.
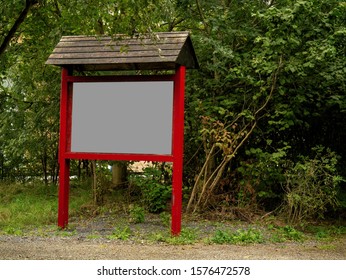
[(88, 51)]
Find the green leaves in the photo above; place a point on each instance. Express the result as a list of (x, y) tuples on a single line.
[(311, 186), (276, 71)]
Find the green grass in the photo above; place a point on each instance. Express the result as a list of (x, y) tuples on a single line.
[(326, 233), (137, 214), (187, 236), (286, 233), (33, 205), (93, 235), (32, 209), (121, 233), (240, 236)]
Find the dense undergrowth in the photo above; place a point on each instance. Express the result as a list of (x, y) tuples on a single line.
[(26, 208)]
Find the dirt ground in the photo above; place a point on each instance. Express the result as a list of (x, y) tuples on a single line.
[(15, 248), (87, 240)]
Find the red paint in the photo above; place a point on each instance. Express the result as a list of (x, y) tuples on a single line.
[(65, 154), (64, 193), (126, 157), (64, 173), (178, 149)]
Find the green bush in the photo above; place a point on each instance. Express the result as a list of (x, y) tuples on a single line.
[(155, 191), (311, 186), (262, 176)]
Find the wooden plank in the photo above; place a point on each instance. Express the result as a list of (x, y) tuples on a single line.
[(111, 60), (93, 43), (170, 65), (108, 54), (116, 48), (110, 39), (153, 36), (163, 50)]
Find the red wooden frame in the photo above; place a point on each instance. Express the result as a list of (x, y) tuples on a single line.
[(65, 154)]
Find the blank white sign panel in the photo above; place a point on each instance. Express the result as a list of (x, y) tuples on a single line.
[(122, 117)]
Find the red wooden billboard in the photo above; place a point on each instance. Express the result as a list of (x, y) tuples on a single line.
[(155, 133)]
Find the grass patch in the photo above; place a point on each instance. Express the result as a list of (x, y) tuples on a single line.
[(286, 233), (326, 247), (93, 235), (187, 236), (137, 214), (121, 233), (34, 205), (65, 232), (30, 205), (12, 231), (240, 236), (32, 208), (326, 233)]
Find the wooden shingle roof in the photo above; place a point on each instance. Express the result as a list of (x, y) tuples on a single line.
[(163, 50)]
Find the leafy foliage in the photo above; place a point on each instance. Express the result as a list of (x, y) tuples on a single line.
[(238, 237), (271, 86), (311, 186), (137, 214), (155, 192)]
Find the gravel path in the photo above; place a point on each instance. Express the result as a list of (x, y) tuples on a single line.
[(68, 248)]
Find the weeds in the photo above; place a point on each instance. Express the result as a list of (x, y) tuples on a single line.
[(66, 233), (32, 209), (121, 233), (93, 235), (286, 233), (12, 231), (165, 218), (137, 214), (240, 236), (187, 236), (326, 233), (311, 186), (155, 191)]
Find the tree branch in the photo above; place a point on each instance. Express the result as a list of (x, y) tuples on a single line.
[(200, 11), (16, 25)]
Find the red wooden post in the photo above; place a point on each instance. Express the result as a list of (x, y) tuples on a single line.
[(178, 149), (64, 173)]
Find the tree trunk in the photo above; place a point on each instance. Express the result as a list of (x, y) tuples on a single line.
[(97, 197), (119, 173)]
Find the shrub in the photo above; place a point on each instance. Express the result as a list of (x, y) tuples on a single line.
[(156, 192), (262, 177), (311, 186)]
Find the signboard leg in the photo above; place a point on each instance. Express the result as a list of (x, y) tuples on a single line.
[(64, 192), (64, 173), (178, 149), (176, 198)]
